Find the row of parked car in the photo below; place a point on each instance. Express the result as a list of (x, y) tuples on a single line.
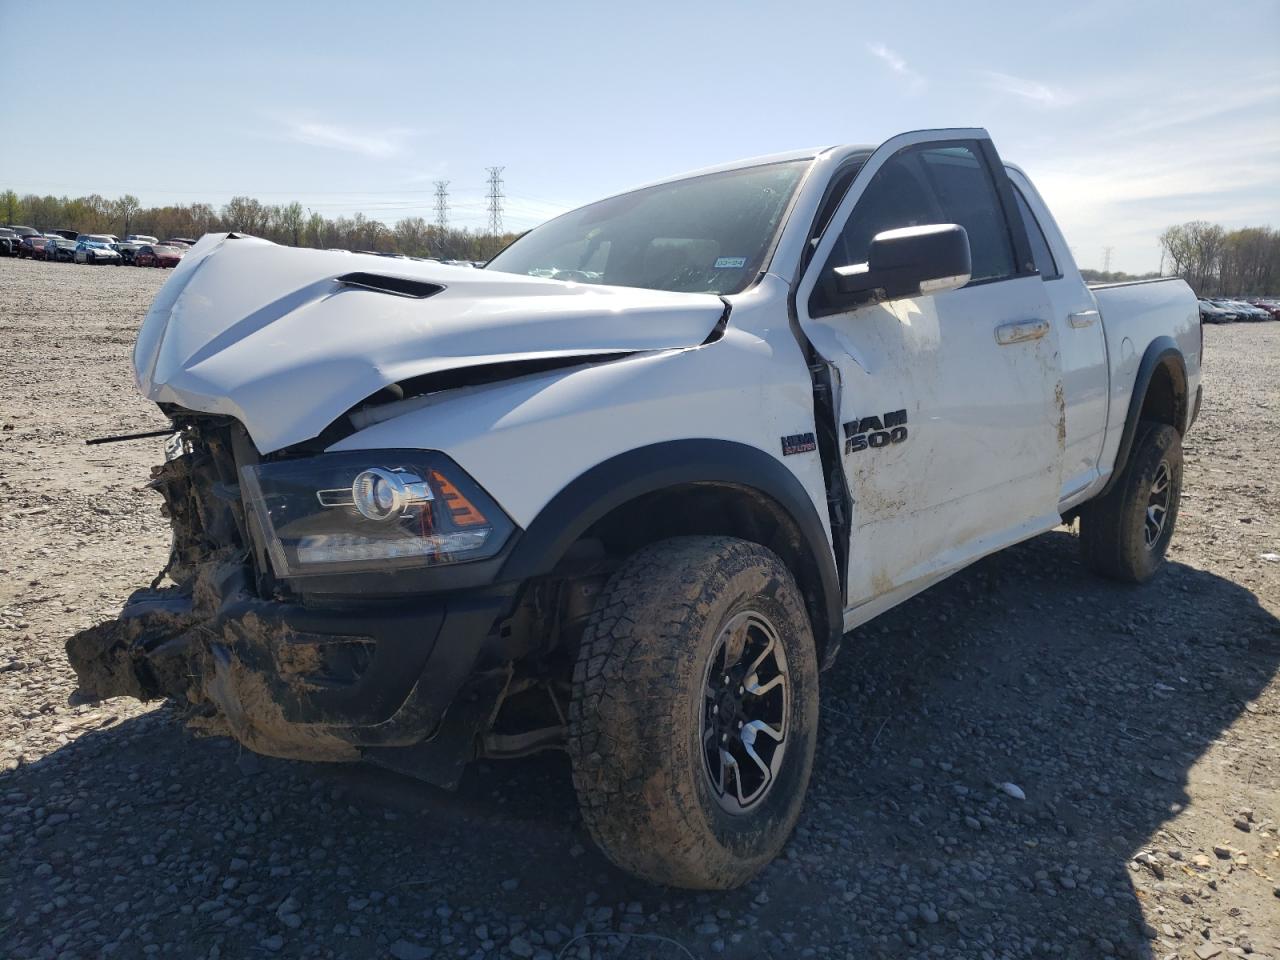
[(68, 246), (1219, 310)]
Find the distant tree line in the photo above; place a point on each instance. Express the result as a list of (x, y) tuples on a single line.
[(1213, 260), (1115, 276), (285, 223), (1220, 262)]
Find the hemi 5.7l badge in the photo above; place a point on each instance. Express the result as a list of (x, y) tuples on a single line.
[(798, 443), (866, 432)]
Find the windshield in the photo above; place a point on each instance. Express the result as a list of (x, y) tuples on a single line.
[(167, 251), (708, 234)]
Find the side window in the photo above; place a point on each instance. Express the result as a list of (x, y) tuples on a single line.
[(968, 197), (1045, 263), (922, 185)]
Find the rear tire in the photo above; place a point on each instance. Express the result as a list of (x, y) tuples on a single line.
[(655, 731), (1124, 535)]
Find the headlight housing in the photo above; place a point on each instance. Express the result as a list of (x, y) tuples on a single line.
[(371, 510)]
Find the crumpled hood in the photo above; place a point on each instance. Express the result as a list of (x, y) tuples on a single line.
[(267, 334)]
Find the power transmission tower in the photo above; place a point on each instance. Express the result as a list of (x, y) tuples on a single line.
[(495, 200), (1106, 259), (442, 204)]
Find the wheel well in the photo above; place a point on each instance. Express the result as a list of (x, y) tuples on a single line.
[(1166, 398), (1159, 394), (726, 509)]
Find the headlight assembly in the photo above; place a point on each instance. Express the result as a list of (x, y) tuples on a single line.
[(371, 510)]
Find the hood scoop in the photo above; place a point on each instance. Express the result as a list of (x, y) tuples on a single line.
[(396, 286)]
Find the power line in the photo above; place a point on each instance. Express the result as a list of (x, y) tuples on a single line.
[(442, 203), (1106, 259), (495, 200)]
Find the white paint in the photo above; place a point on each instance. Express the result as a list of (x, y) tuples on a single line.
[(524, 440)]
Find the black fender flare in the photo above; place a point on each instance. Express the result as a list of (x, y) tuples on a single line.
[(1161, 350), (649, 469)]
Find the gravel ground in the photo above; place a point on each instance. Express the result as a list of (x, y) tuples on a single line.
[(1140, 727)]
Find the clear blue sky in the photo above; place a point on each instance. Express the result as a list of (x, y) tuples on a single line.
[(1129, 116)]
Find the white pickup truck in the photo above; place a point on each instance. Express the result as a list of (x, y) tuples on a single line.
[(624, 491)]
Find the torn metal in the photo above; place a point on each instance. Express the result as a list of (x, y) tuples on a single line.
[(197, 641)]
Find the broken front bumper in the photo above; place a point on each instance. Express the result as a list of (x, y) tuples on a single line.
[(294, 681)]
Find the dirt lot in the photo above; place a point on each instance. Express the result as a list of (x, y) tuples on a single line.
[(1143, 726)]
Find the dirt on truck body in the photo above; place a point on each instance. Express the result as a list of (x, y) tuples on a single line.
[(201, 641)]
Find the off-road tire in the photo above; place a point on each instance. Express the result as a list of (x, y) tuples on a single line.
[(1112, 540), (636, 717)]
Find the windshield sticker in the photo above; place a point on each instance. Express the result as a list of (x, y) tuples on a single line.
[(730, 263)]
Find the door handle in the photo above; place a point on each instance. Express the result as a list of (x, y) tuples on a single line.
[(1082, 318), (1021, 330)]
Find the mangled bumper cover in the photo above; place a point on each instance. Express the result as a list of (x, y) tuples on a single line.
[(290, 681)]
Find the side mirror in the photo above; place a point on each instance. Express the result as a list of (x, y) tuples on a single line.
[(909, 262)]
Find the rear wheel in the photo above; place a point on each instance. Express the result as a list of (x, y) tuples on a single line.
[(1126, 534), (694, 717)]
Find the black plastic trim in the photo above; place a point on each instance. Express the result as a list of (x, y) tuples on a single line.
[(421, 657), (656, 467), (401, 638), (1158, 351)]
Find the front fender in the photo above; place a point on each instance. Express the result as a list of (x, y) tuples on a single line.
[(628, 476)]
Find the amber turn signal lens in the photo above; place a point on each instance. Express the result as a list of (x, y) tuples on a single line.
[(462, 510)]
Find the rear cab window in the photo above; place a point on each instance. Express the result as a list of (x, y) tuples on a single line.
[(1045, 263)]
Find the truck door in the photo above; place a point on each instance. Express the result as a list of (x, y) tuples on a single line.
[(950, 404), (1080, 338)]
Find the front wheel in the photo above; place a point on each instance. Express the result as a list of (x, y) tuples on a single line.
[(1126, 534), (695, 712)]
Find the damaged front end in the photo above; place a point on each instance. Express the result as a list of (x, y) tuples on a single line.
[(332, 603), (148, 652), (296, 624)]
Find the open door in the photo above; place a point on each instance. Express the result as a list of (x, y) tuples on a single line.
[(950, 402)]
